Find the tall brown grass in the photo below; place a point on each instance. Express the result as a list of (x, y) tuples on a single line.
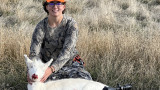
[(118, 40)]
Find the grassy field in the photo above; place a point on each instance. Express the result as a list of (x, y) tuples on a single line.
[(119, 40)]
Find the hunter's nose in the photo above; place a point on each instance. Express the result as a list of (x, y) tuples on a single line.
[(34, 76)]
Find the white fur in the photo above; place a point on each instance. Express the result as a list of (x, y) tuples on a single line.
[(37, 67)]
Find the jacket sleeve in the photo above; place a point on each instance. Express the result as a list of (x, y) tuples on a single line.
[(37, 39), (69, 43)]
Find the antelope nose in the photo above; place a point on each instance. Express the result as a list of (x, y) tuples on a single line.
[(34, 76)]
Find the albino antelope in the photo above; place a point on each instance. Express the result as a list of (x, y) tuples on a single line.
[(36, 69)]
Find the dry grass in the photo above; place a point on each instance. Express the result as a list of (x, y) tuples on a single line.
[(118, 40)]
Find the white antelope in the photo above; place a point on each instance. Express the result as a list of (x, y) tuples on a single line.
[(36, 69)]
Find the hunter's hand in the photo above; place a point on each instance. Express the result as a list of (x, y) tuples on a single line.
[(47, 73)]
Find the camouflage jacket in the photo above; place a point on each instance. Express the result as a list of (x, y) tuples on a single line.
[(58, 43)]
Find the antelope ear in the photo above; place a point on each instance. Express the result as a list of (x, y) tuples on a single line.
[(28, 61), (49, 63)]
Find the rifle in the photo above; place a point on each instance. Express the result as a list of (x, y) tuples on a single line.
[(119, 87)]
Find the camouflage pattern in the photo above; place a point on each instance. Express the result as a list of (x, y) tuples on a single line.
[(76, 70), (58, 43)]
